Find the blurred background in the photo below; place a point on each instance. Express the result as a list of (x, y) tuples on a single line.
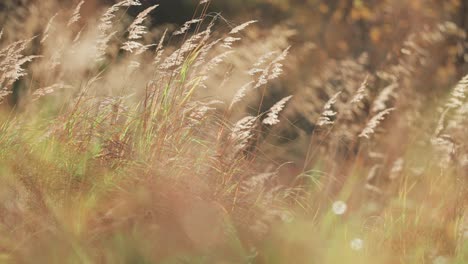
[(338, 28)]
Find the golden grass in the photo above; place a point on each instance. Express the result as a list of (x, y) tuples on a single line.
[(115, 152)]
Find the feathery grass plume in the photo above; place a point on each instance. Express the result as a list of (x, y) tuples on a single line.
[(207, 46), (106, 19), (277, 66), (458, 96), (241, 27), (272, 116), (11, 64), (380, 102), (273, 70), (131, 3), (361, 92), (210, 65), (240, 94), (76, 14), (48, 28), (130, 46), (327, 113), (106, 24), (13, 72), (228, 41), (197, 111), (242, 132), (444, 143), (261, 61), (374, 122), (143, 48), (136, 31), (1, 34), (48, 90), (203, 53), (178, 56), (186, 26), (159, 49), (101, 46)]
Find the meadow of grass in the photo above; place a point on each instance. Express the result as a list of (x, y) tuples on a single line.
[(121, 143)]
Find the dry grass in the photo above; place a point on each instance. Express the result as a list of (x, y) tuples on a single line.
[(121, 143)]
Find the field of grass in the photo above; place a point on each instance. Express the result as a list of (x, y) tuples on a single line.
[(210, 143)]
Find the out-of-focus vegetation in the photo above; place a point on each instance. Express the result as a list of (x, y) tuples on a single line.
[(280, 131)]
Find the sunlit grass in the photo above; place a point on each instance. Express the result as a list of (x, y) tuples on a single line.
[(127, 158)]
